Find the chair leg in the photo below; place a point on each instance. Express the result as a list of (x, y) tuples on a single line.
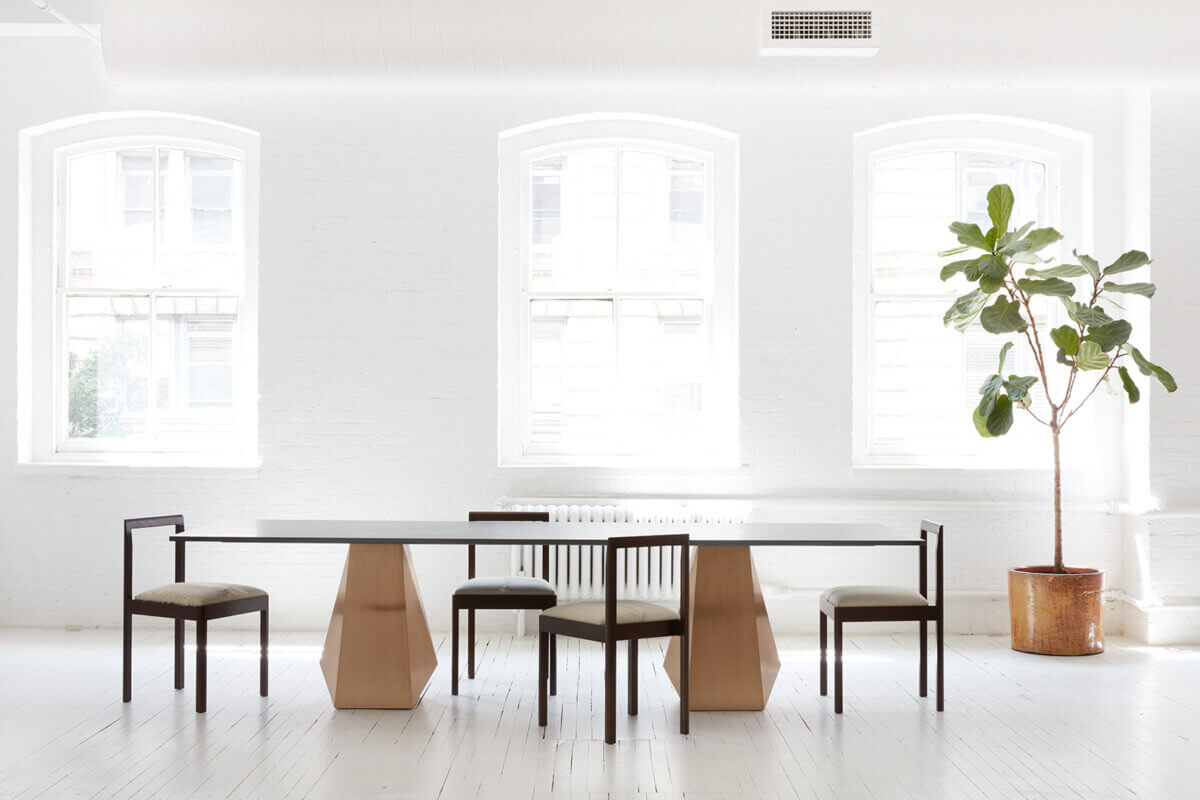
[(924, 645), (471, 643), (453, 648), (553, 664), (264, 636), (543, 658), (201, 666), (941, 667), (178, 654), (837, 664), (127, 658), (824, 636), (610, 691), (684, 682), (633, 677)]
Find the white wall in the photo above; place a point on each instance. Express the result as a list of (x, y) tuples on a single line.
[(379, 225)]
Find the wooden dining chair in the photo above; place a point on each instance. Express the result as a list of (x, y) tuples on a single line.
[(889, 604), (510, 592), (616, 620), (199, 602)]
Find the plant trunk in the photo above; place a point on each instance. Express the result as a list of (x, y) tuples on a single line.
[(1058, 555)]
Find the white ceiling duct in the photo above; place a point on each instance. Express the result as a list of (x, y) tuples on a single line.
[(431, 42)]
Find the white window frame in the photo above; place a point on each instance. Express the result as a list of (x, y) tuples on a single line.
[(1067, 155), (518, 148), (42, 184)]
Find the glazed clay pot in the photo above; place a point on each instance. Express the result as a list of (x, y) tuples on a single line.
[(1054, 614)]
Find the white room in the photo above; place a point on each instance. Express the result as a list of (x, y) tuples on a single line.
[(291, 289)]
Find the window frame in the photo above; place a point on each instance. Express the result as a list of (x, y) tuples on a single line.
[(1066, 155), (43, 286), (518, 149)]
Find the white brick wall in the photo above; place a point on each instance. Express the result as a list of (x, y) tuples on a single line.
[(378, 226)]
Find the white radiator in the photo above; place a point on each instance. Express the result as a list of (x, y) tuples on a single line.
[(647, 573)]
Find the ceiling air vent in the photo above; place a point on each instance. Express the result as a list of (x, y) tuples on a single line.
[(820, 32)]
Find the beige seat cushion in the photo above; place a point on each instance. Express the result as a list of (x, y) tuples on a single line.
[(858, 596), (505, 585), (627, 611), (198, 594)]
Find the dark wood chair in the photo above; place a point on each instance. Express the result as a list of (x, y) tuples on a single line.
[(511, 592), (616, 620), (889, 604), (199, 602)]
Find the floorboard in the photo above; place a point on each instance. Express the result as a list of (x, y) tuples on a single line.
[(1124, 724)]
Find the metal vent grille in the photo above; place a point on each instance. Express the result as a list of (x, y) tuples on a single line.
[(820, 25)]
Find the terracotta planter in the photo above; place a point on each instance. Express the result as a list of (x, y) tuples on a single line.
[(1057, 615)]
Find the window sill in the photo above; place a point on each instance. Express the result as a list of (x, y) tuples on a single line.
[(722, 466), (141, 464), (974, 467)]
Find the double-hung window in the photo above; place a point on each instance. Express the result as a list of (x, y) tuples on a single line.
[(916, 380), (618, 335), (142, 337)]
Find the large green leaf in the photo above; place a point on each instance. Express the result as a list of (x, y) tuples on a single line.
[(1067, 338), (1004, 355), (988, 394), (991, 285), (1131, 388), (968, 233), (1040, 238), (1090, 264), (965, 310), (1000, 206), (1056, 287), (1131, 260), (1109, 335), (1001, 418), (1013, 241), (1018, 387), (953, 251), (980, 420), (1085, 315), (1149, 368), (1144, 289), (1003, 316), (1061, 271), (1090, 356), (955, 267)]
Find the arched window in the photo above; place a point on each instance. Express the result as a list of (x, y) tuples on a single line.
[(618, 293), (915, 380), (142, 277)]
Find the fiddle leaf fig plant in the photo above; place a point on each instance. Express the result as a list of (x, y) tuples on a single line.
[(1007, 274)]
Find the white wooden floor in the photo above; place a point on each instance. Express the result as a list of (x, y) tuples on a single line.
[(1124, 724)]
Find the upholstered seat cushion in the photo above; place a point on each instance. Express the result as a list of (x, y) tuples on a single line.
[(505, 585), (627, 611), (859, 596), (198, 594)]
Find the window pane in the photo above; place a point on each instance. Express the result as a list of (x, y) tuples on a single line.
[(198, 243), (573, 227), (664, 371), (914, 200), (195, 349), (664, 242), (981, 171), (109, 220), (107, 345), (572, 373)]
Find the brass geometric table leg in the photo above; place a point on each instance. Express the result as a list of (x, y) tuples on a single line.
[(733, 657), (378, 652)]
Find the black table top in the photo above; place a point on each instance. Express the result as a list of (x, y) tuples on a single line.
[(311, 531)]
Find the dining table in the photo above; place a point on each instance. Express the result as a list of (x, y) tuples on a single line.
[(378, 649)]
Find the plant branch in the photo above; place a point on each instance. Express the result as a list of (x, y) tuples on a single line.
[(1086, 397)]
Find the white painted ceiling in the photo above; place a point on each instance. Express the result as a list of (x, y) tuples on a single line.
[(443, 42)]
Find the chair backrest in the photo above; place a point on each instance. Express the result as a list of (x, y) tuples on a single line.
[(138, 523), (930, 528), (616, 543), (510, 516)]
